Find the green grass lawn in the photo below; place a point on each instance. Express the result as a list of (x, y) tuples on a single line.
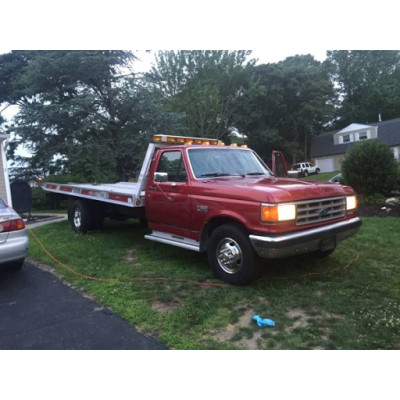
[(316, 303), (324, 176)]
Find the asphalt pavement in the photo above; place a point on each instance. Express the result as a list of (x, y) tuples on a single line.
[(38, 311)]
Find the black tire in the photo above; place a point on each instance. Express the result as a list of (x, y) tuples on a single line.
[(305, 173), (317, 171), (243, 267), (81, 217)]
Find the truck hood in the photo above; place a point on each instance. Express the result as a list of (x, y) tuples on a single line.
[(272, 189)]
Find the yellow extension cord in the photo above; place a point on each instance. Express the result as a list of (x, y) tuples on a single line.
[(162, 279)]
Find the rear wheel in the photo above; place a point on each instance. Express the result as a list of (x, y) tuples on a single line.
[(81, 218), (317, 171), (305, 173), (231, 255)]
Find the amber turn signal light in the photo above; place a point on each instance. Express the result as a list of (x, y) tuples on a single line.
[(278, 212)]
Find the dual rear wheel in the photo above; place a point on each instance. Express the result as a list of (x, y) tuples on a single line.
[(85, 217)]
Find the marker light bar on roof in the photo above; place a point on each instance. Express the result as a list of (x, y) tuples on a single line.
[(185, 140)]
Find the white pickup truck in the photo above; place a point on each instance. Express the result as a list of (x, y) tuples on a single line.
[(304, 169)]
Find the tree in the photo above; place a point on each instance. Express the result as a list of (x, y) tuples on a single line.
[(368, 83), (291, 102), (206, 86), (86, 110)]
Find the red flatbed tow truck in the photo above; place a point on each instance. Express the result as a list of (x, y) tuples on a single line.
[(201, 195)]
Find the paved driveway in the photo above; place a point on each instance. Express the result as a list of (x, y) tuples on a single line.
[(37, 311)]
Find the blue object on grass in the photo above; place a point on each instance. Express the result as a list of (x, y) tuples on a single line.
[(263, 322)]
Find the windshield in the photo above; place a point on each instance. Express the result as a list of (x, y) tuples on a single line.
[(2, 203), (225, 162)]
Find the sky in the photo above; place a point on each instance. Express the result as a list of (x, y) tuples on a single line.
[(264, 56)]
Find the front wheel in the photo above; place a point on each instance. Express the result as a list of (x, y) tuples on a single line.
[(305, 173), (231, 255), (317, 171)]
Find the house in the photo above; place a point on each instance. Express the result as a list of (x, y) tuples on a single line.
[(5, 191), (329, 148)]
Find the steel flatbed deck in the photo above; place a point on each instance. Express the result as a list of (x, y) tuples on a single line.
[(121, 193)]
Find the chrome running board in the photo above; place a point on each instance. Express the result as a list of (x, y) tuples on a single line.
[(174, 240)]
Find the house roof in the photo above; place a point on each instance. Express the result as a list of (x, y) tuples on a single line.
[(322, 145)]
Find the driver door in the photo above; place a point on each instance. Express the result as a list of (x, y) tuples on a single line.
[(167, 203)]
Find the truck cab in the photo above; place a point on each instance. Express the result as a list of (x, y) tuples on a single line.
[(224, 200)]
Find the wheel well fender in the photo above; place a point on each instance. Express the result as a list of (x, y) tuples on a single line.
[(212, 224)]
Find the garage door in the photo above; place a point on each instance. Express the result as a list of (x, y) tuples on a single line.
[(325, 164)]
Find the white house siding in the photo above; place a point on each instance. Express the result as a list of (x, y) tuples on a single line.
[(4, 182)]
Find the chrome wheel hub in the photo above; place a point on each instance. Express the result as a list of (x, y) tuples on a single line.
[(229, 256), (77, 218)]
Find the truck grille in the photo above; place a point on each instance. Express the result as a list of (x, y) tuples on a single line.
[(312, 211)]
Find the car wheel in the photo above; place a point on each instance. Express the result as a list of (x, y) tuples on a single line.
[(305, 173), (231, 255), (317, 171), (81, 217)]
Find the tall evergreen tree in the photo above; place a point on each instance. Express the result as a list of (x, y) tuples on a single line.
[(291, 102), (205, 85), (83, 112), (368, 82)]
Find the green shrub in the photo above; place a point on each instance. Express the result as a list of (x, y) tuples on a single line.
[(375, 199), (369, 167)]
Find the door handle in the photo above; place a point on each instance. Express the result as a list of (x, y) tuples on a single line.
[(153, 187)]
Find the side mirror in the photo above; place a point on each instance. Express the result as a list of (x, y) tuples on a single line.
[(160, 177)]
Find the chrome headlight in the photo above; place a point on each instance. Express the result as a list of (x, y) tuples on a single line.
[(351, 203), (278, 212)]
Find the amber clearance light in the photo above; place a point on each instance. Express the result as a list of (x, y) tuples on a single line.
[(185, 140), (277, 212)]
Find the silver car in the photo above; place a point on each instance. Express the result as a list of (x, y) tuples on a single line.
[(14, 241)]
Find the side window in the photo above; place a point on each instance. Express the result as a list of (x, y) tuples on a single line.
[(172, 163)]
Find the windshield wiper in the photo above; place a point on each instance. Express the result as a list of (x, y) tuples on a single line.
[(216, 174), (255, 173)]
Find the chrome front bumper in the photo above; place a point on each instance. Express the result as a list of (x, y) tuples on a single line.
[(307, 241)]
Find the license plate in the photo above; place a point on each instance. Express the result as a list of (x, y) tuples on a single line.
[(328, 244)]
